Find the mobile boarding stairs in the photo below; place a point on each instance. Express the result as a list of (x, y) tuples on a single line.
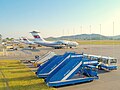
[(70, 68)]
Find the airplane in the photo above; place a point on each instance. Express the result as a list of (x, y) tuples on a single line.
[(15, 41), (54, 44), (30, 44), (26, 41)]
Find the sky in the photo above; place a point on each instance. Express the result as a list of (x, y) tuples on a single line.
[(59, 17)]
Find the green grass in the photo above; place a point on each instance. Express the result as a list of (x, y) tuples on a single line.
[(19, 77), (99, 42), (2, 83)]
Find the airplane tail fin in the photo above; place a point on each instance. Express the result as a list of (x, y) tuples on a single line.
[(37, 36), (25, 39)]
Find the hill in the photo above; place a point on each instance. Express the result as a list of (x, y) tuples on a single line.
[(85, 37)]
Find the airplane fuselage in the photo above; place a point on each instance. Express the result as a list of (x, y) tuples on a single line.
[(50, 44)]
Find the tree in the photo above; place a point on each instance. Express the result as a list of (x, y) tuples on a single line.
[(9, 39)]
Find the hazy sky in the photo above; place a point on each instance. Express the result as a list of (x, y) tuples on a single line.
[(58, 17)]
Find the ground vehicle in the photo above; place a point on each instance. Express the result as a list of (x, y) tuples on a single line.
[(106, 63), (10, 47)]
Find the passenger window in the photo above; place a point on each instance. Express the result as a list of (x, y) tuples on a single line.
[(99, 60), (113, 61), (105, 61)]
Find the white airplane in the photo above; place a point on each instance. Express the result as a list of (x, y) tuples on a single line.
[(55, 44), (30, 44), (26, 41), (15, 41)]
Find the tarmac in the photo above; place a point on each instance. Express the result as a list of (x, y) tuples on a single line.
[(106, 81)]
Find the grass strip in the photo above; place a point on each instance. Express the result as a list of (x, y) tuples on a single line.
[(19, 77)]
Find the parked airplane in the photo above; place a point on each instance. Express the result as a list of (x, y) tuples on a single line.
[(26, 41), (30, 44), (15, 41), (55, 44)]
